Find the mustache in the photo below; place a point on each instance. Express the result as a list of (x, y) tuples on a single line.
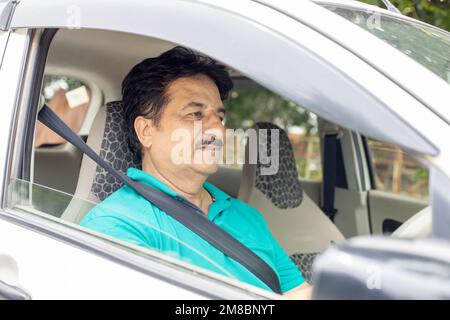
[(209, 140)]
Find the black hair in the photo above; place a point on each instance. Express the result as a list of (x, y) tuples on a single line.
[(144, 87)]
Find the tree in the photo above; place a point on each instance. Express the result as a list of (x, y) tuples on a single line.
[(245, 107), (435, 12)]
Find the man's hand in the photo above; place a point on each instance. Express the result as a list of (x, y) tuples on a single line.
[(302, 292)]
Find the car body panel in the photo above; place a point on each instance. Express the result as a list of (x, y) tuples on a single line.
[(386, 205)]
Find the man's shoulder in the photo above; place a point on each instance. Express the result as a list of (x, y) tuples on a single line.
[(123, 204), (244, 209), (122, 216), (242, 205)]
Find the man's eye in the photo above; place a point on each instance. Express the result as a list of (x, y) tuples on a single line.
[(197, 115)]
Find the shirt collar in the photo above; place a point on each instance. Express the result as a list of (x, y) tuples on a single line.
[(222, 199)]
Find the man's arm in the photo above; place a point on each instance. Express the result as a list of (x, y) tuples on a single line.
[(302, 292)]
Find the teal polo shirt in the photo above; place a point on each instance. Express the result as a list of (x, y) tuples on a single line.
[(128, 216)]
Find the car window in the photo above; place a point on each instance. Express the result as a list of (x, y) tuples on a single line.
[(428, 46), (396, 171), (70, 99), (50, 203), (249, 103)]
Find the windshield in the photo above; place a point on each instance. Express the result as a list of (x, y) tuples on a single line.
[(428, 46)]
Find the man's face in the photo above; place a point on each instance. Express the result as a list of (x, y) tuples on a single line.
[(190, 134)]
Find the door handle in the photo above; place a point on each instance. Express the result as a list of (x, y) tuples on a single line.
[(9, 273), (10, 292)]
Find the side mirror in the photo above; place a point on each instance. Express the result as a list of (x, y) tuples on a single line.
[(382, 267)]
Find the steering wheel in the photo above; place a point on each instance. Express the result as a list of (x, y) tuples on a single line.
[(418, 226)]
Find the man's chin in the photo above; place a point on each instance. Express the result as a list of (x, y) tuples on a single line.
[(206, 169), (206, 162)]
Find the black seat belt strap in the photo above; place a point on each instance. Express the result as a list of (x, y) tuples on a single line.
[(183, 211), (329, 174)]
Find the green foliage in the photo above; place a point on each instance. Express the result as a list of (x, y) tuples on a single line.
[(435, 12), (246, 107), (420, 174), (71, 83)]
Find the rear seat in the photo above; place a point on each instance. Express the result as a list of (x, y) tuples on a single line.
[(57, 167)]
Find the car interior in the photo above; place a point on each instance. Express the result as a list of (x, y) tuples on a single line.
[(99, 60)]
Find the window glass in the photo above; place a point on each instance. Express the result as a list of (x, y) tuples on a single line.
[(396, 171), (43, 201), (249, 104), (428, 46)]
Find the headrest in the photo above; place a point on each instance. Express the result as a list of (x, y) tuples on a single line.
[(282, 188), (114, 150)]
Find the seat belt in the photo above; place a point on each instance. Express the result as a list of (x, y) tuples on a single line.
[(329, 174), (185, 212)]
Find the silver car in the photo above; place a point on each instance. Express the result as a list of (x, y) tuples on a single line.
[(375, 80)]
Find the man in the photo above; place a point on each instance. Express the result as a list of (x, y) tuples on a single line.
[(172, 93)]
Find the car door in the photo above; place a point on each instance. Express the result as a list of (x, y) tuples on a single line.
[(399, 189)]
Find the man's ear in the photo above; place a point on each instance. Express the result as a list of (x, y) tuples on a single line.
[(144, 131)]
